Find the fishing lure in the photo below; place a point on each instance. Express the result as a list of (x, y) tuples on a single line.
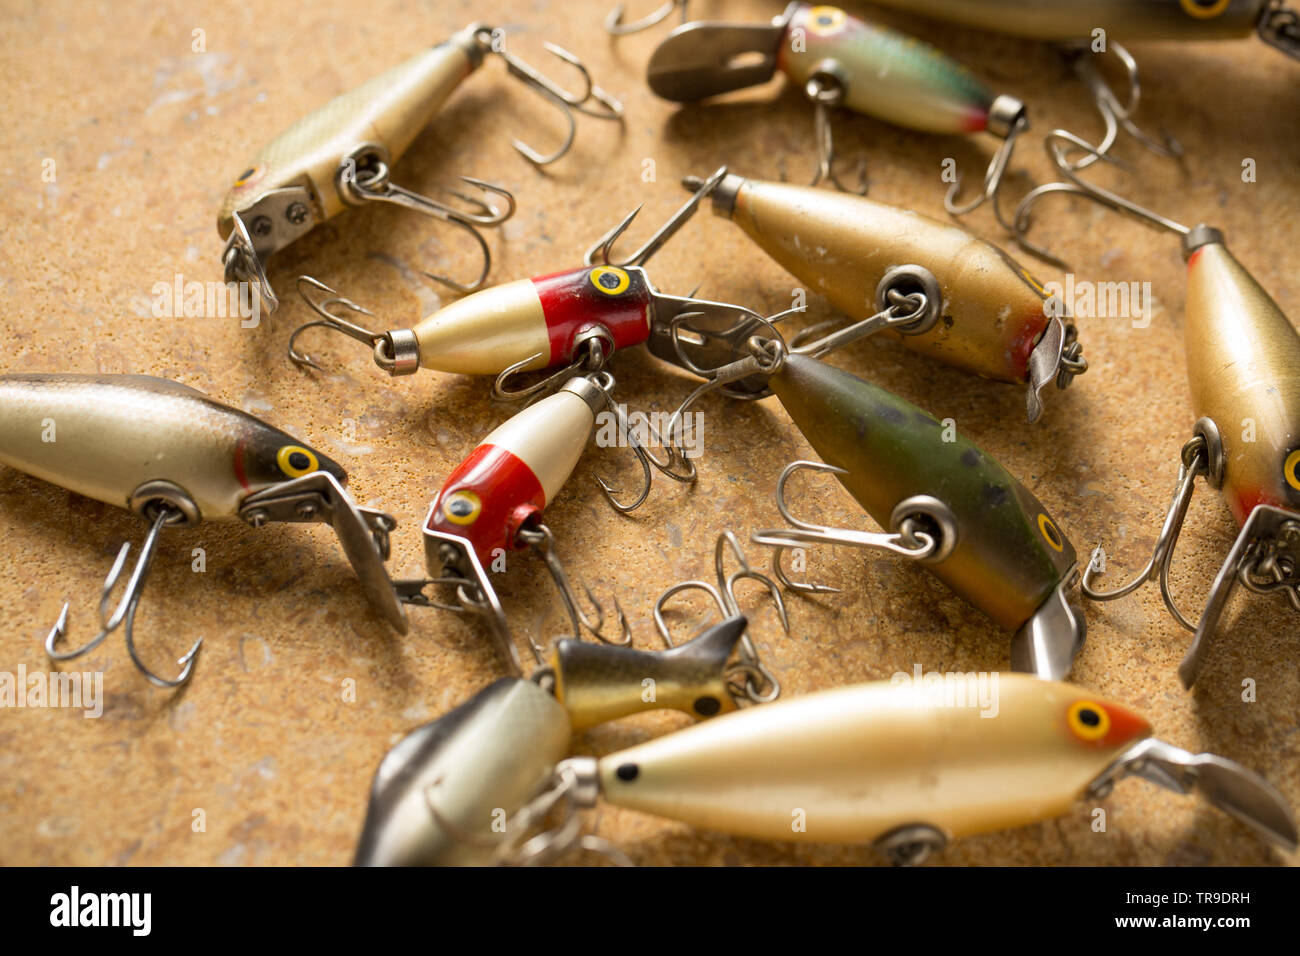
[(905, 767), (1078, 24), (1183, 20), (996, 319), (842, 61), (946, 502), (492, 504), (497, 749), (341, 154), (1243, 365), (569, 321), (176, 457)]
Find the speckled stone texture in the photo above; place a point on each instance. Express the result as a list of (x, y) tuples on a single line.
[(145, 135)]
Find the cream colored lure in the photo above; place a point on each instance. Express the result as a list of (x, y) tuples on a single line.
[(909, 765), (104, 436), (175, 457), (341, 155)]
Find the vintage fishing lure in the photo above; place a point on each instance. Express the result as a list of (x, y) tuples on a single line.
[(496, 750), (492, 504), (568, 322), (842, 61), (1183, 20), (907, 767), (435, 793), (341, 154), (947, 504), (176, 457), (996, 319), (945, 501), (1243, 365)]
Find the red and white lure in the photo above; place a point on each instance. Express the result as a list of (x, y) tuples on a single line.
[(492, 504), (566, 322)]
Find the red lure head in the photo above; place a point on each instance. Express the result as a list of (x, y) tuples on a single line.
[(486, 500), (579, 300)]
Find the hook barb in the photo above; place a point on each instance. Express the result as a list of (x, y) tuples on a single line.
[(1058, 144), (542, 540), (123, 615), (600, 252), (307, 285)]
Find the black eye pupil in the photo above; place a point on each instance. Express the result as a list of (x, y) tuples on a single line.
[(627, 772), (461, 508), (1089, 718), (707, 706), (248, 172), (299, 461), (825, 20), (608, 280)]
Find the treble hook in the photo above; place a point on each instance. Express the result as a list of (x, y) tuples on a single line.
[(542, 540), (1194, 463), (724, 595), (592, 349), (605, 382), (1008, 118), (1115, 113), (600, 251), (615, 26), (124, 615), (911, 538), (827, 93), (367, 180), (492, 40), (329, 320), (1077, 187)]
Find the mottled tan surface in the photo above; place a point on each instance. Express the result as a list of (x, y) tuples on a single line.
[(146, 135)]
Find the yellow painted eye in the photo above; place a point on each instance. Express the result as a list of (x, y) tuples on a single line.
[(1051, 534), (610, 280), (1292, 469), (462, 507), (824, 20), (1204, 9), (296, 461), (248, 175), (1088, 721)]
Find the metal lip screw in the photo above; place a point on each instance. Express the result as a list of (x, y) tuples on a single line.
[(261, 226), (306, 509), (296, 213), (257, 517)]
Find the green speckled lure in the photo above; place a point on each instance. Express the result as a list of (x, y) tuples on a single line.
[(841, 61)]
